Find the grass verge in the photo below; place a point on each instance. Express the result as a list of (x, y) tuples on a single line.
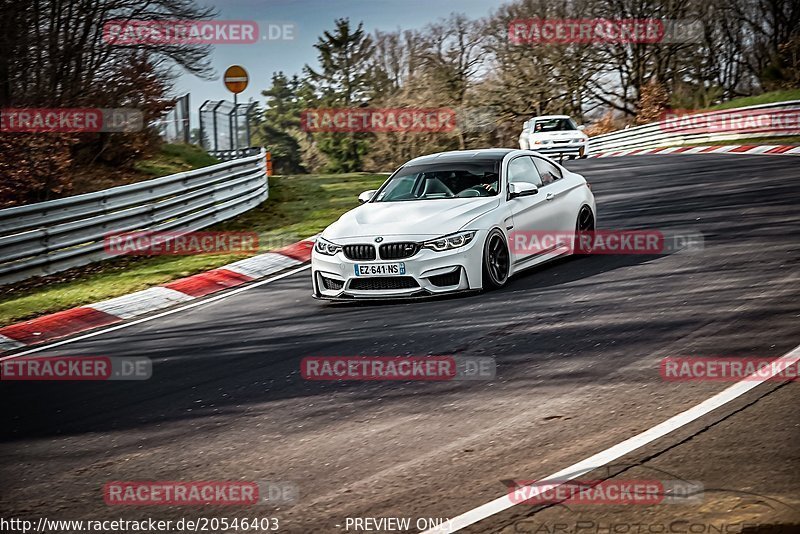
[(170, 159), (299, 206), (765, 98), (175, 158)]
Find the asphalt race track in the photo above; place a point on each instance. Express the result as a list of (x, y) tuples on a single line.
[(577, 343)]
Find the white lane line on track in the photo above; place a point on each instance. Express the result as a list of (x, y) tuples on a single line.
[(193, 304), (621, 449)]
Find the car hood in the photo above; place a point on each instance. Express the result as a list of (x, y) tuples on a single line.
[(423, 218)]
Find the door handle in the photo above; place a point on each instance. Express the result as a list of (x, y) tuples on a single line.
[(549, 196)]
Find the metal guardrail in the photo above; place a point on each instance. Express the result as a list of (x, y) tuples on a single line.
[(49, 237), (227, 155), (659, 134)]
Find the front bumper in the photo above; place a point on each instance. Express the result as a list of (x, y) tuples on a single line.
[(567, 149), (425, 273)]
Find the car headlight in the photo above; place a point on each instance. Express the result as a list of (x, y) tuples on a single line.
[(323, 246), (542, 142), (450, 242), (579, 140)]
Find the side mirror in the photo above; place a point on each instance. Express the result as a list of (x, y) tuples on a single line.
[(366, 196), (581, 127), (522, 189)]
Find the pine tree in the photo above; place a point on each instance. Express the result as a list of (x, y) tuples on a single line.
[(343, 81), (279, 120)]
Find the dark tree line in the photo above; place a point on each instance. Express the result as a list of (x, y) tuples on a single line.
[(53, 55), (735, 48)]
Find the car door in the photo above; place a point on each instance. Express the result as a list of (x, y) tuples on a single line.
[(555, 190), (533, 215), (523, 137)]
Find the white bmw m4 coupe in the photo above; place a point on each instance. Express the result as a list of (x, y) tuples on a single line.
[(450, 222)]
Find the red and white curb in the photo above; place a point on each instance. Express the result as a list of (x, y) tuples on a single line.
[(717, 149), (116, 310)]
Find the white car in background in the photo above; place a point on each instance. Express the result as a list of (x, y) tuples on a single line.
[(451, 222), (556, 135)]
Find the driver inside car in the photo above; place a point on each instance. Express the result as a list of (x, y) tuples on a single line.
[(491, 186)]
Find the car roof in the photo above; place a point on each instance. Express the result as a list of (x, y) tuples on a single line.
[(550, 117), (462, 155)]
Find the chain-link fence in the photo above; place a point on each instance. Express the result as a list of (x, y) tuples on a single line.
[(174, 126), (225, 128)]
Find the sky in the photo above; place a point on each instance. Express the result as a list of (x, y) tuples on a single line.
[(311, 18)]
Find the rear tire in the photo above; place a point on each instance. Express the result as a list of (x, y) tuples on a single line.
[(496, 260)]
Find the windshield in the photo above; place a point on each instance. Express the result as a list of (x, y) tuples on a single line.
[(554, 125), (442, 180)]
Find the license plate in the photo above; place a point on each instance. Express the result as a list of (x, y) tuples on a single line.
[(380, 269)]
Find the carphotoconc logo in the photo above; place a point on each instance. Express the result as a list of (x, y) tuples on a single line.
[(727, 369), (180, 243), (426, 368), (70, 120), (417, 120), (76, 368)]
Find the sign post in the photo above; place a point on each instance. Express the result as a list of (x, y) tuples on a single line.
[(235, 79)]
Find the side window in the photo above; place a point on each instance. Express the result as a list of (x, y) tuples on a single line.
[(549, 172), (521, 169)]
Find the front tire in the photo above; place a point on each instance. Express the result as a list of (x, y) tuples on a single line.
[(496, 260), (584, 225)]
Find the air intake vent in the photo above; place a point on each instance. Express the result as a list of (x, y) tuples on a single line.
[(449, 279), (382, 283), (359, 252), (330, 283), (398, 251)]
